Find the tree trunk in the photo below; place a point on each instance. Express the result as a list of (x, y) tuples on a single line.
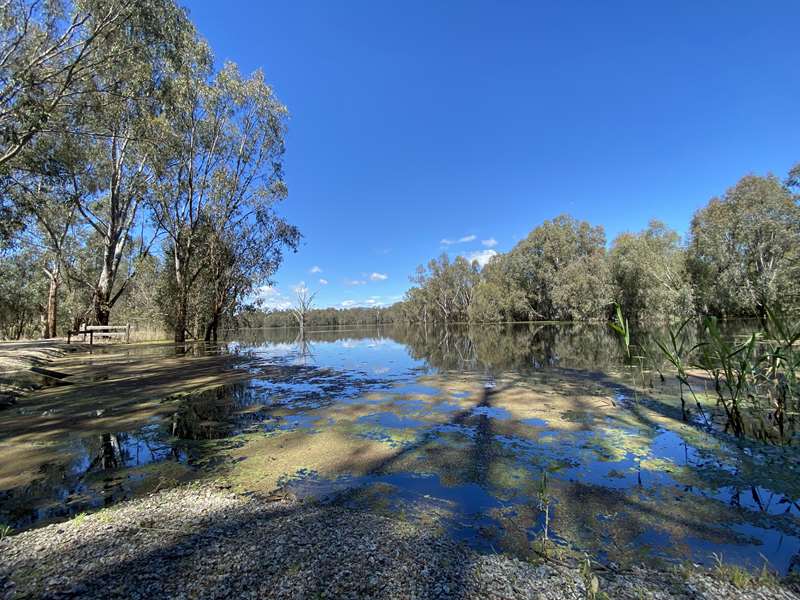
[(102, 295), (211, 329), (52, 306), (180, 317), (182, 305), (761, 310)]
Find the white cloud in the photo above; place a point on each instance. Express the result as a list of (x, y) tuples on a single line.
[(354, 282), (271, 298), (300, 288), (315, 269), (379, 277), (482, 256), (490, 243), (323, 282), (371, 302), (461, 240)]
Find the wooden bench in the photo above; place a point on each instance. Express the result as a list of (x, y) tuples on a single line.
[(109, 331)]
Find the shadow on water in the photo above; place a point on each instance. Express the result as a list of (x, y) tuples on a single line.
[(398, 489)]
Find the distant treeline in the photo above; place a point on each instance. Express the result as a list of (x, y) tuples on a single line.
[(321, 317), (741, 255)]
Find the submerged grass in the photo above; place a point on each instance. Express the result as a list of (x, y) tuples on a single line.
[(755, 380)]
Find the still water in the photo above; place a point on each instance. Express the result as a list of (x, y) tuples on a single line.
[(523, 439)]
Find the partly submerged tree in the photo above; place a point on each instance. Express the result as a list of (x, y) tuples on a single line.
[(445, 288), (302, 307), (225, 144), (498, 296), (561, 268), (650, 275), (236, 261)]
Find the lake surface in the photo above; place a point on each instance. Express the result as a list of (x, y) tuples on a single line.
[(524, 439)]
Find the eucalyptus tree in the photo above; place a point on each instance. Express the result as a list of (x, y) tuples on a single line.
[(238, 259), (55, 220), (48, 51), (446, 287), (20, 293), (123, 140), (745, 249), (498, 296), (225, 145), (48, 192), (561, 268), (51, 52), (793, 180), (650, 274)]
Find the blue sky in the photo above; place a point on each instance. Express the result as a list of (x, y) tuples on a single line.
[(419, 123)]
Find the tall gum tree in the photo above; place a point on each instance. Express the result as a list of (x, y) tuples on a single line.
[(124, 138), (224, 169)]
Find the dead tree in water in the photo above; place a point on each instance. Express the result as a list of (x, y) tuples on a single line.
[(304, 302)]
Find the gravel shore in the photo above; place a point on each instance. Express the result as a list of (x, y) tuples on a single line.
[(199, 541)]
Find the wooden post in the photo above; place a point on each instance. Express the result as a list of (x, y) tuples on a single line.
[(128, 334), (91, 338), (69, 335)]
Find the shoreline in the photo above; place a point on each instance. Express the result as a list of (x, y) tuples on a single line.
[(201, 540)]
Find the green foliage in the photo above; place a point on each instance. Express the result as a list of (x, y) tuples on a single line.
[(5, 531), (650, 275), (497, 297), (622, 329), (562, 271), (319, 318), (216, 200), (559, 272), (729, 364), (20, 295), (677, 352), (743, 256), (444, 290), (755, 379), (744, 253), (144, 138)]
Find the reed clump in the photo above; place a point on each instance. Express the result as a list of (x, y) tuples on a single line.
[(754, 379)]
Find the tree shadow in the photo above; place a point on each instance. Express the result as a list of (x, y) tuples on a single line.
[(242, 543)]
